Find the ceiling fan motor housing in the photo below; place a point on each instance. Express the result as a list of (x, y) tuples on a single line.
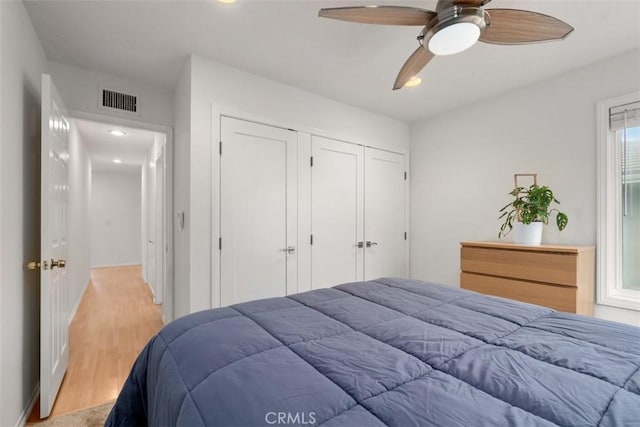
[(452, 16)]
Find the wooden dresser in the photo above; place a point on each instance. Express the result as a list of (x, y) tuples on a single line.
[(560, 277)]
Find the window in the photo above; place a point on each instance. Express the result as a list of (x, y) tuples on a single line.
[(619, 202)]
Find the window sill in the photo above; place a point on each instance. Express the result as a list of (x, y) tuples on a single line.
[(620, 301)]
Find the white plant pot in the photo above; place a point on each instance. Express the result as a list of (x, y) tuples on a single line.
[(527, 234)]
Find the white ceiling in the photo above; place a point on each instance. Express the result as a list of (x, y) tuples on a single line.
[(354, 63), (103, 147)]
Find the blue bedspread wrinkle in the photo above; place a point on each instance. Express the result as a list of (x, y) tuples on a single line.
[(391, 352)]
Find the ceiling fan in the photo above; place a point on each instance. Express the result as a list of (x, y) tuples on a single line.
[(456, 25)]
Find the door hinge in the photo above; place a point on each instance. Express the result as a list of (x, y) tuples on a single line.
[(311, 161), (405, 175), (405, 235), (311, 240), (220, 243), (220, 149)]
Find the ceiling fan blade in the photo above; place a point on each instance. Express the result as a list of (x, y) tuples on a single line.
[(385, 15), (416, 62), (512, 26)]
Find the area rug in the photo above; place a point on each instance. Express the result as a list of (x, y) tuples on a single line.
[(92, 417)]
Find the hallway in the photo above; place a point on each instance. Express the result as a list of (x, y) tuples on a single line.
[(114, 321)]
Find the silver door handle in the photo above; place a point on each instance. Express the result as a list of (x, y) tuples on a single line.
[(370, 243), (289, 250)]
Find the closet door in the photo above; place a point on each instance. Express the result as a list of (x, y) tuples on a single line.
[(337, 193), (258, 212), (385, 219)]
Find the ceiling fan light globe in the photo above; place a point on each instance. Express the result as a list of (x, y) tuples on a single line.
[(454, 38)]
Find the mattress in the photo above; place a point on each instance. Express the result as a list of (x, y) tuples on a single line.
[(385, 352)]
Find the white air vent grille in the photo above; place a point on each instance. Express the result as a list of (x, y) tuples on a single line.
[(119, 101)]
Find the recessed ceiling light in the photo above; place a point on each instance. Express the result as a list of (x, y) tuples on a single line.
[(413, 82), (226, 1), (117, 161), (117, 132)]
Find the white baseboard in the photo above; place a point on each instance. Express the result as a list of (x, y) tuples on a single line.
[(77, 304), (27, 411)]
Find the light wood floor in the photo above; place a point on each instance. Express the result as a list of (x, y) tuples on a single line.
[(114, 321)]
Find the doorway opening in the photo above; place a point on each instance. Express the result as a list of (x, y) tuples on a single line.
[(128, 203), (129, 239), (67, 160), (119, 236)]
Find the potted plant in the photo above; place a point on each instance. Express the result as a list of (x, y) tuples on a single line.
[(528, 212)]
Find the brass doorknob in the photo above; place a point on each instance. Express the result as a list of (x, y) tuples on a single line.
[(36, 265), (59, 263)]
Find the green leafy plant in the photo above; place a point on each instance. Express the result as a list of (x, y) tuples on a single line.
[(531, 205)]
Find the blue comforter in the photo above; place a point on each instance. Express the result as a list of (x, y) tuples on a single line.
[(385, 352)]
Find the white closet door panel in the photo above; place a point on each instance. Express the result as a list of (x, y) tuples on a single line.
[(254, 210), (384, 214), (336, 212)]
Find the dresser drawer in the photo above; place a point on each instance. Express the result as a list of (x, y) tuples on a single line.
[(556, 276), (547, 267), (562, 298)]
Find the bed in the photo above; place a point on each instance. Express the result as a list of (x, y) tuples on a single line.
[(385, 352)]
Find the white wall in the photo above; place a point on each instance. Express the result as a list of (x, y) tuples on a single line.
[(22, 61), (79, 262), (144, 218), (147, 194), (115, 219), (1, 191), (79, 89), (215, 85), (182, 180), (463, 161), (151, 224)]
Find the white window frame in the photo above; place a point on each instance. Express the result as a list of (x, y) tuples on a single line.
[(609, 220)]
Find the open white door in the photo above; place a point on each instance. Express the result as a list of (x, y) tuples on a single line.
[(54, 344)]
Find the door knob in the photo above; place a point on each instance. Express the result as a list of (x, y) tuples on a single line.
[(289, 250), (370, 243), (35, 265), (58, 263)]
